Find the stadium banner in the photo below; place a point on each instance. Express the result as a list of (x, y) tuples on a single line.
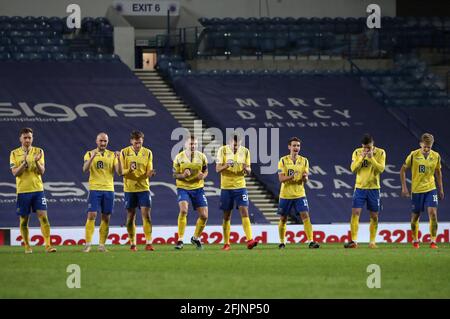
[(330, 114), (67, 104), (148, 7), (5, 237), (265, 234)]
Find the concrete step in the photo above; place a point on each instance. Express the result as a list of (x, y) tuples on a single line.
[(182, 112), (179, 110), (156, 85), (149, 78), (158, 90), (165, 99), (183, 117), (165, 94)]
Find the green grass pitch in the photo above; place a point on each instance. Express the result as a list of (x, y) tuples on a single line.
[(264, 272)]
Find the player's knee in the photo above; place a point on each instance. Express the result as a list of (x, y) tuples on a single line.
[(23, 222), (183, 212)]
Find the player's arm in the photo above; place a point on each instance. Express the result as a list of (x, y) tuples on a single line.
[(438, 172), (17, 170), (283, 178), (204, 172), (220, 165), (88, 159), (149, 172), (405, 167), (246, 167), (124, 171), (305, 174), (357, 161), (40, 164), (379, 166), (176, 170), (117, 163)]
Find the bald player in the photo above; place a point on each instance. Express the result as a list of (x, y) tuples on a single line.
[(100, 163)]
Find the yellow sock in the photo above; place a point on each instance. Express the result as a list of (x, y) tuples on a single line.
[(226, 225), (415, 230), (24, 231), (247, 227), (373, 228), (199, 226), (89, 232), (354, 225), (45, 229), (147, 230), (131, 229), (104, 230), (433, 229), (308, 229), (182, 222), (282, 231)]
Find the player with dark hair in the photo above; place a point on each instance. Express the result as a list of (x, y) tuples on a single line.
[(136, 169), (233, 164), (293, 170), (27, 165), (368, 162)]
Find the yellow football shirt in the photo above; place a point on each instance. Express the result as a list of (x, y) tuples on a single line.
[(198, 163), (233, 176), (422, 170), (294, 188), (137, 180), (368, 170), (101, 172), (30, 180)]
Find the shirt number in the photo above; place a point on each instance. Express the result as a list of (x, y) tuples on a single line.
[(100, 164), (421, 168)]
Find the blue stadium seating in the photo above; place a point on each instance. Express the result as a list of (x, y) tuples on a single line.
[(27, 35), (332, 36)]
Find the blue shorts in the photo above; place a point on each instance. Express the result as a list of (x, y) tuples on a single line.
[(138, 199), (421, 201), (101, 202), (195, 196), (30, 202), (370, 197), (299, 204), (230, 196)]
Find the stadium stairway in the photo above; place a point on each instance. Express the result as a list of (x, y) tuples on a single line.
[(261, 197)]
